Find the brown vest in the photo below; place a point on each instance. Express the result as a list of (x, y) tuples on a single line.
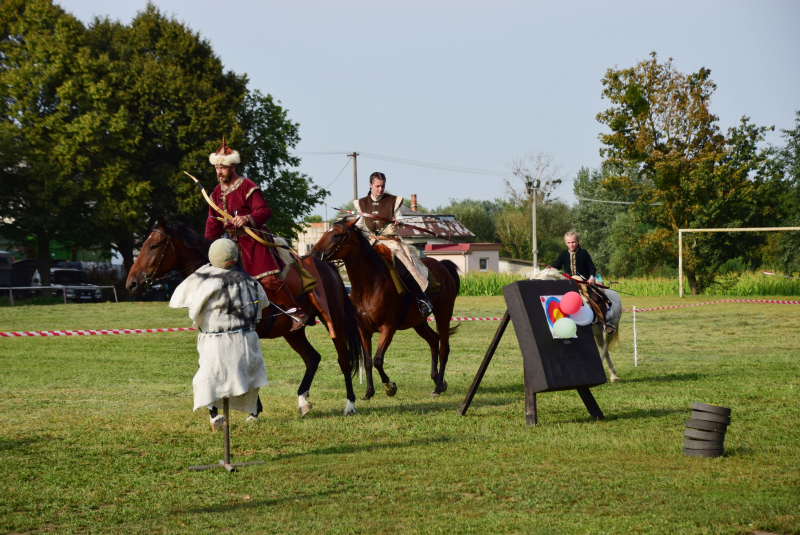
[(382, 208)]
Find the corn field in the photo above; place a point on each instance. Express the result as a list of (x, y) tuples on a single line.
[(738, 285)]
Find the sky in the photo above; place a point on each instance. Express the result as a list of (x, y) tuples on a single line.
[(478, 85)]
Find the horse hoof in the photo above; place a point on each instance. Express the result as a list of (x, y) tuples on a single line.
[(391, 389), (349, 409), (252, 419), (434, 394), (444, 387), (217, 422), (304, 409), (614, 379)]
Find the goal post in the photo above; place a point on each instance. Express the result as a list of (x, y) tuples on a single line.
[(680, 243)]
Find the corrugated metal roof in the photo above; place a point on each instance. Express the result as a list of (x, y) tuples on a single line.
[(444, 225)]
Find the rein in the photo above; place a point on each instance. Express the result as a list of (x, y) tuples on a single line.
[(148, 281), (348, 232)]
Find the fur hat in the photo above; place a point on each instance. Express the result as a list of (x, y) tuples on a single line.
[(223, 253), (224, 155)]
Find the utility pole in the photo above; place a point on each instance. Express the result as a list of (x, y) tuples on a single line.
[(532, 190), (354, 155)]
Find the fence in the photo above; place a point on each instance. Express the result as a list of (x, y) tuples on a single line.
[(62, 288)]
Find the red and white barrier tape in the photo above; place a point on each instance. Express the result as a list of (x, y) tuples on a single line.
[(764, 301), (45, 334), (90, 332)]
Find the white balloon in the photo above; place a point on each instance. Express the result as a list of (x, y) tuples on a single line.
[(584, 316)]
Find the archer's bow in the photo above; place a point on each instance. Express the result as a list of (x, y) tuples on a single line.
[(394, 222), (229, 217), (579, 281)]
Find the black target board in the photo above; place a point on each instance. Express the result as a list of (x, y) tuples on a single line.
[(549, 363)]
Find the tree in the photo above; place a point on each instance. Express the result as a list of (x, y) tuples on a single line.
[(661, 126), (479, 217), (787, 244), (538, 171), (46, 177)]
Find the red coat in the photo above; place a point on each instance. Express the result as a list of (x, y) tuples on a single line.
[(244, 198)]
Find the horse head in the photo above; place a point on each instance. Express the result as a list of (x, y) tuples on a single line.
[(157, 257), (339, 242)]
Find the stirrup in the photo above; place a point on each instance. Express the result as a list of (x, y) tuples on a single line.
[(425, 307), (302, 317)]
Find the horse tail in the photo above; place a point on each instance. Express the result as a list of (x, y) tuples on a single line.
[(453, 270), (352, 336), (453, 330)]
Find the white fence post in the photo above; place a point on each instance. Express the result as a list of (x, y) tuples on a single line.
[(635, 348)]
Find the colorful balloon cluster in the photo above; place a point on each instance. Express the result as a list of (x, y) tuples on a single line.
[(569, 313)]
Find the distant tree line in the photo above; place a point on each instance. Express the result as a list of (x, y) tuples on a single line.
[(97, 122), (667, 159)]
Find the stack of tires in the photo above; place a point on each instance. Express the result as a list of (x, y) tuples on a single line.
[(705, 430)]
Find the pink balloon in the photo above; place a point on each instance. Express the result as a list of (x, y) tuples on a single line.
[(571, 303)]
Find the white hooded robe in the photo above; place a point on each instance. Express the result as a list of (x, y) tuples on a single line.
[(225, 305)]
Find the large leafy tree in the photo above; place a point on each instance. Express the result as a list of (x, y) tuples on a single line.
[(46, 170), (661, 126)]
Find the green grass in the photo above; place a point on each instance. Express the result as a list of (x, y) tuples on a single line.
[(97, 433)]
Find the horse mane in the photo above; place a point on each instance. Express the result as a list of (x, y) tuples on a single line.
[(191, 239), (371, 256)]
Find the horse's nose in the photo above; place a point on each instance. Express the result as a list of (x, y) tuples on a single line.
[(133, 287)]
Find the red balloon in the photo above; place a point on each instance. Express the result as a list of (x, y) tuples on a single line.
[(571, 303)]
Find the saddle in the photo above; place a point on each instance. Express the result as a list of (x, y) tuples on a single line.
[(388, 260)]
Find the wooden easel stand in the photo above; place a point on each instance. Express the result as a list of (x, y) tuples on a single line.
[(226, 445)]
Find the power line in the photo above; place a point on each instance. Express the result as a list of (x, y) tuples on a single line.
[(444, 167), (615, 202), (340, 173)]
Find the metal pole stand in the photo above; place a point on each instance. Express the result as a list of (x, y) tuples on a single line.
[(226, 445)]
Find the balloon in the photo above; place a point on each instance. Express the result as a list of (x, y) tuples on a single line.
[(565, 328), (570, 303), (557, 315), (583, 316)]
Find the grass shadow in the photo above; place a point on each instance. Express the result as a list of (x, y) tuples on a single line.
[(343, 449), (249, 504), (9, 444), (670, 377), (644, 413)]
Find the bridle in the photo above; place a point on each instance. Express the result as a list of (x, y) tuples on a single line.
[(349, 233), (148, 281)]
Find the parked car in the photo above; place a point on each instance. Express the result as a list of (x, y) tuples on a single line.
[(77, 284)]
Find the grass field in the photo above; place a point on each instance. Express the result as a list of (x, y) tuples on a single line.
[(97, 433)]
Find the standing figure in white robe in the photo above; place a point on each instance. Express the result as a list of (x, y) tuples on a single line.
[(225, 306)]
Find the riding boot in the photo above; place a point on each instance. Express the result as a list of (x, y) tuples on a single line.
[(599, 308), (411, 284), (279, 291)]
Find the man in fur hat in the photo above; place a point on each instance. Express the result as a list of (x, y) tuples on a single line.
[(225, 305), (242, 198), (413, 273)]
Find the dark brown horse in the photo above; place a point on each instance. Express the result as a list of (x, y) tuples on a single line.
[(382, 309), (173, 247)]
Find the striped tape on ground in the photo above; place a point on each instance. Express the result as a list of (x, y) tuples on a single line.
[(45, 334)]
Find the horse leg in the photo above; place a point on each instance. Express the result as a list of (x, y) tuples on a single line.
[(430, 336), (297, 340), (366, 340), (602, 342), (344, 365), (384, 339)]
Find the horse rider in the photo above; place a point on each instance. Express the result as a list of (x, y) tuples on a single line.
[(242, 198), (577, 263), (412, 272), (225, 305)]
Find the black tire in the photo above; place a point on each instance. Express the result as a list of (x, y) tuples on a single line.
[(692, 444), (705, 435), (706, 426), (703, 453), (706, 407), (711, 417)]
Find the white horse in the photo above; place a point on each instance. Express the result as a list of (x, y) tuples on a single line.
[(603, 340)]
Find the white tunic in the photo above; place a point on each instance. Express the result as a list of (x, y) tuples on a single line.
[(225, 305)]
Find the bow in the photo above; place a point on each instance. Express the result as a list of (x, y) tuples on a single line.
[(587, 282), (229, 217), (394, 222)]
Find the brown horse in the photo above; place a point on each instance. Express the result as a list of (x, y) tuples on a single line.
[(173, 247), (382, 309)]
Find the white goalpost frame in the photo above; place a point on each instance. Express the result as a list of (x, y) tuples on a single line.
[(680, 243)]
